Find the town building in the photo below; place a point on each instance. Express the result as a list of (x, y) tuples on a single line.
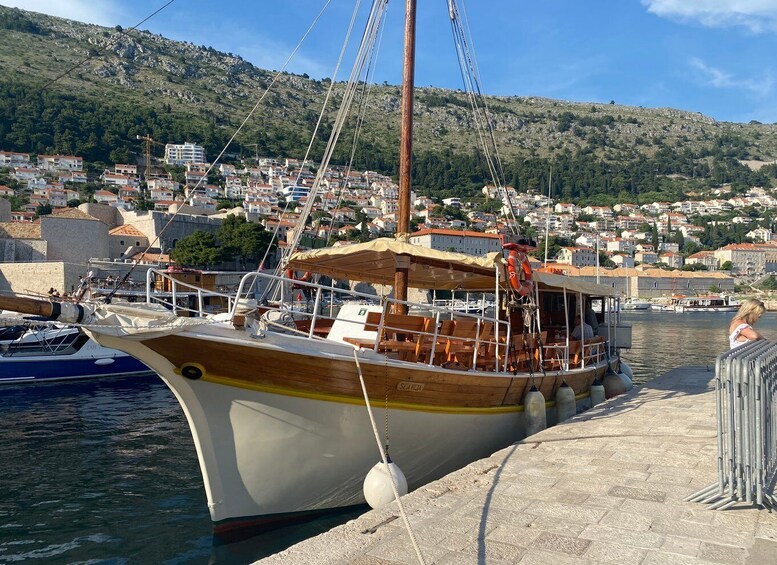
[(180, 154), (576, 256), (60, 163), (469, 242)]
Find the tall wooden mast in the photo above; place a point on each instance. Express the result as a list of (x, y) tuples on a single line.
[(406, 145)]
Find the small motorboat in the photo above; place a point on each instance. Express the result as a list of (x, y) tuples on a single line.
[(633, 304), (37, 354)]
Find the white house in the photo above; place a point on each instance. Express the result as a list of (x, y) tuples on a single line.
[(60, 163), (180, 154), (469, 242)]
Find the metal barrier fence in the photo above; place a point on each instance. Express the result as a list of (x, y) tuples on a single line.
[(746, 397)]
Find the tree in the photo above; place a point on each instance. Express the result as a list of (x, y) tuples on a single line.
[(679, 239), (654, 237), (769, 284), (726, 266), (43, 210), (199, 249), (243, 240), (73, 203)]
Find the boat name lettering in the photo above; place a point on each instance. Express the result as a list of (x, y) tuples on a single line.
[(414, 387)]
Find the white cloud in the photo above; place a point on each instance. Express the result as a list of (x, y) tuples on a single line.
[(756, 15), (102, 12), (718, 78)]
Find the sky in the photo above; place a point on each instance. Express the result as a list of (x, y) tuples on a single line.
[(716, 57)]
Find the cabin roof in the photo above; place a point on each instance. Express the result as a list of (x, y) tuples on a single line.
[(376, 262)]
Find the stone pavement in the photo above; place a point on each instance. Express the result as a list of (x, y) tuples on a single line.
[(606, 486)]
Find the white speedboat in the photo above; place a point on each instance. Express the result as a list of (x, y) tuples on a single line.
[(632, 304)]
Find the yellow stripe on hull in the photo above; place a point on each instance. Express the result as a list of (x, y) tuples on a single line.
[(226, 381)]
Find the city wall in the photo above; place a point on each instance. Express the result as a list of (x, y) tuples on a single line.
[(32, 278)]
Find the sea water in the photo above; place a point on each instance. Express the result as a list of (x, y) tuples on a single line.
[(105, 471)]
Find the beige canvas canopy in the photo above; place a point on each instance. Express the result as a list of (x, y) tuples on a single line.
[(572, 284), (376, 262)]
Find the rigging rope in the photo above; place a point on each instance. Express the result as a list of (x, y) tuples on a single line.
[(385, 461), (226, 146), (369, 37), (371, 32), (470, 74), (118, 36), (366, 90)]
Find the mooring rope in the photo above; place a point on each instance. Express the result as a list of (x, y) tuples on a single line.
[(385, 461)]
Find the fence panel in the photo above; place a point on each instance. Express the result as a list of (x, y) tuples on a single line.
[(746, 399)]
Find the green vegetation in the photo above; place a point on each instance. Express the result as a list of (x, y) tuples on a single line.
[(15, 20), (199, 249), (770, 283), (236, 239), (143, 84)]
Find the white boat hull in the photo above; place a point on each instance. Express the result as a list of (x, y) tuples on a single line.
[(686, 309), (266, 457)]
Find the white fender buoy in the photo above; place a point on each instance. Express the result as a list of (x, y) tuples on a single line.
[(627, 375), (534, 411), (377, 484), (566, 407), (613, 385), (597, 393)]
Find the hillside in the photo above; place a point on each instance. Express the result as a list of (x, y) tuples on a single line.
[(146, 84)]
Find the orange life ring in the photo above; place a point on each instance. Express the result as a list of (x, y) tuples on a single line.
[(517, 265)]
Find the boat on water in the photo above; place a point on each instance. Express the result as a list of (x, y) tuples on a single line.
[(712, 303), (632, 304), (279, 398), (43, 354), (273, 397)]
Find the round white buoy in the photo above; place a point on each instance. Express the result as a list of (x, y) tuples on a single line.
[(597, 393), (534, 412), (566, 407), (626, 381), (613, 385), (377, 484), (626, 370)]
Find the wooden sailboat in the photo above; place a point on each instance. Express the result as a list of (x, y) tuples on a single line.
[(273, 396)]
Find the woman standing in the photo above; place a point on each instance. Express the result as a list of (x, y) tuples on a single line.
[(740, 330)]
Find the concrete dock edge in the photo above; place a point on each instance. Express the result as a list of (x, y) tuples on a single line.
[(607, 486)]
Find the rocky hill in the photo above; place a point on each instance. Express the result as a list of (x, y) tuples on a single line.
[(118, 85)]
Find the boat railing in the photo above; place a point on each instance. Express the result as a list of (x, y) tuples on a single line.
[(473, 340), (180, 290), (440, 336)]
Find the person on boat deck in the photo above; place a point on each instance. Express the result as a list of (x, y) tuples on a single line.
[(740, 330), (584, 330), (590, 317)]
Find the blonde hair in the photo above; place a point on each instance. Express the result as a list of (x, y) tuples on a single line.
[(751, 310)]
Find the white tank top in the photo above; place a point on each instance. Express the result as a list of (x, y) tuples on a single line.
[(732, 339)]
